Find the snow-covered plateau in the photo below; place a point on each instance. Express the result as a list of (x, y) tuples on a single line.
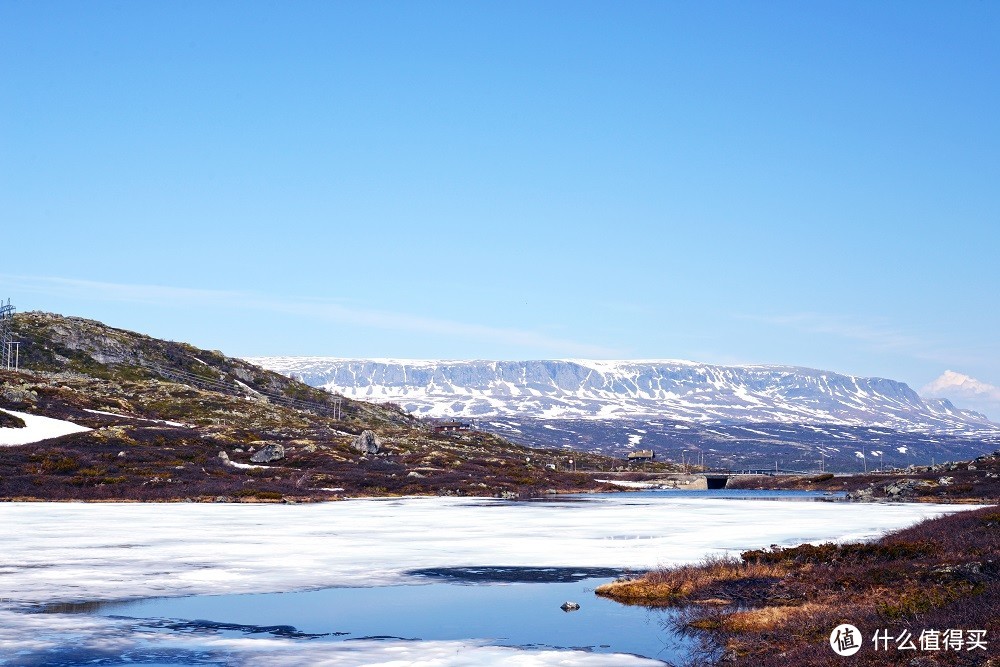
[(76, 552), (678, 390)]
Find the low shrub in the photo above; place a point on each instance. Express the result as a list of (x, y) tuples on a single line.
[(675, 585), (10, 421), (258, 494)]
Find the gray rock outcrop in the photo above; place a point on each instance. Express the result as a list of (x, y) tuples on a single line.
[(906, 487), (367, 443), (268, 454), (18, 394)]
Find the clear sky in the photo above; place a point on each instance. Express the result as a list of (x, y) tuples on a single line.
[(812, 183)]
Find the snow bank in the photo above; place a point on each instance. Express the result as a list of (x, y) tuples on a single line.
[(624, 483), (140, 419), (36, 428)]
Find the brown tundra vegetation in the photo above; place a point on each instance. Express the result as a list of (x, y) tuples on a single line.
[(778, 606)]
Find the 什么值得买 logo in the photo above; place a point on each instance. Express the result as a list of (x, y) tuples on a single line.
[(845, 639)]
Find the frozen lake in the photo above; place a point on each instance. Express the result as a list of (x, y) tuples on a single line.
[(447, 580)]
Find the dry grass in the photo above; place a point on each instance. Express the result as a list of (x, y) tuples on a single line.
[(677, 585), (768, 619)]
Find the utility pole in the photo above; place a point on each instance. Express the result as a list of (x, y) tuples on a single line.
[(7, 353)]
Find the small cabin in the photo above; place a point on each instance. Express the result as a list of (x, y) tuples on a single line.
[(449, 426), (641, 455)]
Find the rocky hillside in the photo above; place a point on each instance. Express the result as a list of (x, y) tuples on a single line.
[(171, 421)]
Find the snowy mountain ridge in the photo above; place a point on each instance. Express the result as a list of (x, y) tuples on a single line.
[(598, 389)]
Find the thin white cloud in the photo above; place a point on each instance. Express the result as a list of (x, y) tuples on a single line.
[(874, 335), (950, 381), (966, 392), (119, 292), (161, 295), (881, 336)]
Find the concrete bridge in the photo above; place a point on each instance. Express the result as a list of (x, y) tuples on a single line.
[(710, 479)]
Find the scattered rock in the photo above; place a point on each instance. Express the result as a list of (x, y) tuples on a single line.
[(268, 454), (864, 495), (367, 443), (569, 606), (946, 481), (223, 499), (18, 395), (224, 456), (121, 454), (415, 474), (906, 487)]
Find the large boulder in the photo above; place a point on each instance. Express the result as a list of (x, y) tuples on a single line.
[(367, 443), (268, 454)]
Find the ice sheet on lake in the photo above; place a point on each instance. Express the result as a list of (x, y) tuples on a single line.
[(81, 551), (75, 551), (36, 428)]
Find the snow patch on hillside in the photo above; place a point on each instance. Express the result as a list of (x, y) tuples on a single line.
[(36, 428)]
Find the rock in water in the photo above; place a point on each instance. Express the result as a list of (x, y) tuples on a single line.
[(367, 443), (268, 453), (569, 606)]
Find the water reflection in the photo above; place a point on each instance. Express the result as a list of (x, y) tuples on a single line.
[(526, 615)]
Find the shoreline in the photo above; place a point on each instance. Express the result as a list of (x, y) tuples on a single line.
[(943, 570)]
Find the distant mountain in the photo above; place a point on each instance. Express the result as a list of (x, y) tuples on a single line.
[(727, 416), (967, 391), (681, 391)]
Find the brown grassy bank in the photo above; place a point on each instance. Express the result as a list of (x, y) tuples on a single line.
[(778, 606)]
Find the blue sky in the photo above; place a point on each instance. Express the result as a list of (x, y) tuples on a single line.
[(799, 183)]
